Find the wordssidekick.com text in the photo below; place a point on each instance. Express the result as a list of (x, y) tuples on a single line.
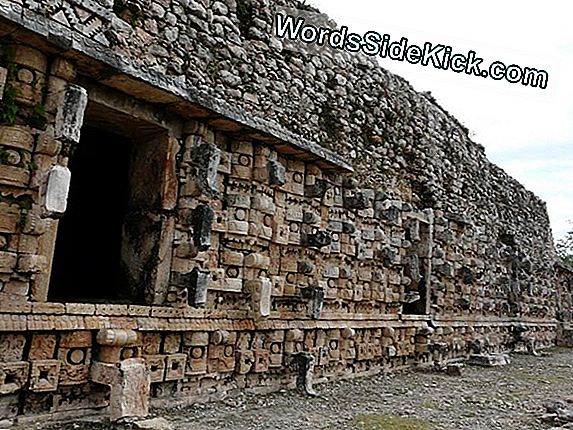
[(375, 44)]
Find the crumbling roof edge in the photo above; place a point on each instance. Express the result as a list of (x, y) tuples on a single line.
[(74, 43)]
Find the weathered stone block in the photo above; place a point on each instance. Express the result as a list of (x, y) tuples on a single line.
[(264, 204), (359, 200), (44, 375), (207, 158), (277, 173), (315, 297), (75, 365), (198, 285), (3, 76), (42, 347), (318, 190), (172, 343), (116, 345), (489, 360), (196, 360), (70, 115), (175, 367), (63, 68), (203, 217), (130, 387), (261, 360), (13, 376), (238, 227), (222, 356), (319, 239), (257, 261), (153, 424), (151, 343), (156, 366), (305, 267), (12, 347), (32, 263), (57, 189), (260, 291), (245, 362)]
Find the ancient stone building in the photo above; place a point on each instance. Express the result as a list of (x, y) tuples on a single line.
[(189, 208)]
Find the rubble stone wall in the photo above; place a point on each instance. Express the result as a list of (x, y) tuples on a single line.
[(301, 203)]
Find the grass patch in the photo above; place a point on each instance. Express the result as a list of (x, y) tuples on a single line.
[(556, 350), (389, 422), (538, 378), (430, 404)]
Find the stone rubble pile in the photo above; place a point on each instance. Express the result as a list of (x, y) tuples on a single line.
[(559, 414)]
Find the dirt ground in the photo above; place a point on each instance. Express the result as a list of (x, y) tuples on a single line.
[(508, 398)]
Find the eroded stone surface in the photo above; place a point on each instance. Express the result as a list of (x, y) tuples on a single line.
[(246, 240), (57, 189)]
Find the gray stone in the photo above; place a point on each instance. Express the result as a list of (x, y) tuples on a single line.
[(305, 267), (153, 424), (277, 173), (318, 190), (57, 190), (348, 227), (129, 382), (315, 297), (319, 239), (305, 363), (197, 286), (207, 158), (489, 360), (203, 217), (455, 369), (3, 76), (358, 200), (70, 115)]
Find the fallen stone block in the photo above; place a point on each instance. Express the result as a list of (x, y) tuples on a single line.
[(489, 360), (153, 424), (455, 369)]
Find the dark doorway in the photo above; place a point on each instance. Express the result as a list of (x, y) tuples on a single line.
[(418, 268), (86, 266)]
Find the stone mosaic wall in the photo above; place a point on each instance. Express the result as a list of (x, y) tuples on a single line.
[(270, 246), (399, 141)]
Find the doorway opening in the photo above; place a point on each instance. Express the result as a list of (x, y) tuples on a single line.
[(87, 258), (418, 269)]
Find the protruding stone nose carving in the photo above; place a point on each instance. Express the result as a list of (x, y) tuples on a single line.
[(198, 285), (305, 364), (203, 217), (318, 240), (70, 115), (277, 173), (207, 158), (57, 189), (315, 296), (318, 190), (128, 378), (260, 291)]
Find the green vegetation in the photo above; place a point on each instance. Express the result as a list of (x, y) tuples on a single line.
[(388, 422), (37, 117), (8, 107), (431, 404)]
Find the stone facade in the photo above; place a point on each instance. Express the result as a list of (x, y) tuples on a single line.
[(288, 214)]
